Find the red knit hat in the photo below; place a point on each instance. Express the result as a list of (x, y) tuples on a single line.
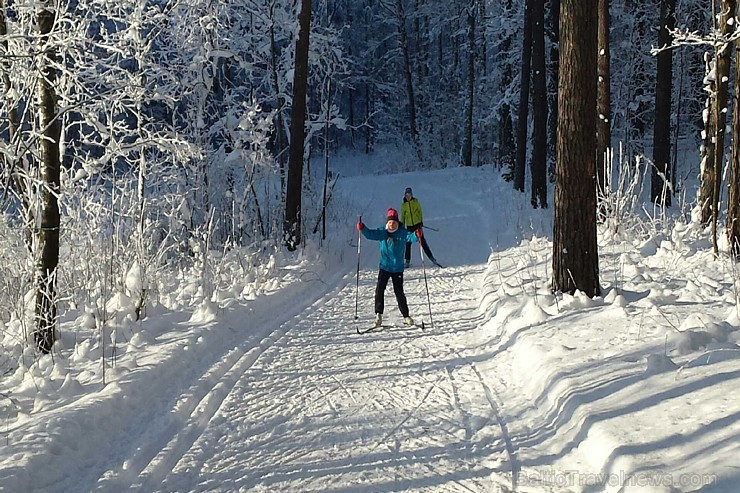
[(391, 214)]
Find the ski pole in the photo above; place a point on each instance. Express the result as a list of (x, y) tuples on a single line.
[(426, 286), (357, 283), (433, 229)]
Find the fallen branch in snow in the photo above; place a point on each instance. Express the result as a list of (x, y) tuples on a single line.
[(708, 354)]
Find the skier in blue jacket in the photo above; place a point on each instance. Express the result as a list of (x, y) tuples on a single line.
[(392, 238)]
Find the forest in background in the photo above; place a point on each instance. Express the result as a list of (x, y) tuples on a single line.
[(145, 136)]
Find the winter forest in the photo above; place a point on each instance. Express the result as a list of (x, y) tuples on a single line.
[(150, 134), (163, 153)]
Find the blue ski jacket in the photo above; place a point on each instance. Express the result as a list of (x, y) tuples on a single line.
[(392, 246)]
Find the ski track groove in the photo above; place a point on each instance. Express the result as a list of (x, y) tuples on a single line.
[(493, 400), (489, 393), (193, 411), (270, 460)]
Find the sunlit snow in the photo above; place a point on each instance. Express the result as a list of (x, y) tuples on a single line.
[(265, 386)]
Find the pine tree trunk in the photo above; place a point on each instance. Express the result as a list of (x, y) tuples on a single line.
[(523, 113), (727, 27), (661, 180), (553, 70), (468, 140), (294, 187), (706, 189), (539, 102), (483, 39), (575, 251), (713, 168), (505, 136), (733, 200), (369, 95), (603, 121), (408, 76), (49, 160), (368, 118)]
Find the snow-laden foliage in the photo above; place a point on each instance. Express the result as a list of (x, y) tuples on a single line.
[(171, 167)]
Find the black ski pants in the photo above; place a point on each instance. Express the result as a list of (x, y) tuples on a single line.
[(397, 278), (424, 244)]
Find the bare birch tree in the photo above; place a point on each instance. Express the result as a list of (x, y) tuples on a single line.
[(47, 235)]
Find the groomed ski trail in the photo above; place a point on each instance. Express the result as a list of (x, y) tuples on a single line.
[(168, 429), (323, 408)]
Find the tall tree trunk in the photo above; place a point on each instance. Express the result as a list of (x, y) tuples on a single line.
[(713, 169), (368, 118), (49, 160), (11, 106), (727, 27), (505, 136), (539, 101), (661, 180), (467, 154), (294, 187), (603, 121), (733, 200), (369, 94), (483, 38), (575, 251), (706, 189), (324, 198), (553, 70), (351, 104), (523, 113), (408, 77)]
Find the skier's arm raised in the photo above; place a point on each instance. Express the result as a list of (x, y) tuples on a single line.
[(373, 234)]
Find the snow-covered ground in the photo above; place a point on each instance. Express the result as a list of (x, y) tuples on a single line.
[(508, 387)]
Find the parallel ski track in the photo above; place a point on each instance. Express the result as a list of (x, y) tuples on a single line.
[(448, 282), (190, 415), (146, 469), (404, 424)]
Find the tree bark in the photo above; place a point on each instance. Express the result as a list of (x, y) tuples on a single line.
[(523, 113), (553, 70), (408, 76), (506, 148), (49, 160), (539, 102), (575, 251), (706, 188), (733, 200), (727, 27), (603, 121), (713, 169), (467, 153), (483, 39), (661, 179), (294, 187)]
